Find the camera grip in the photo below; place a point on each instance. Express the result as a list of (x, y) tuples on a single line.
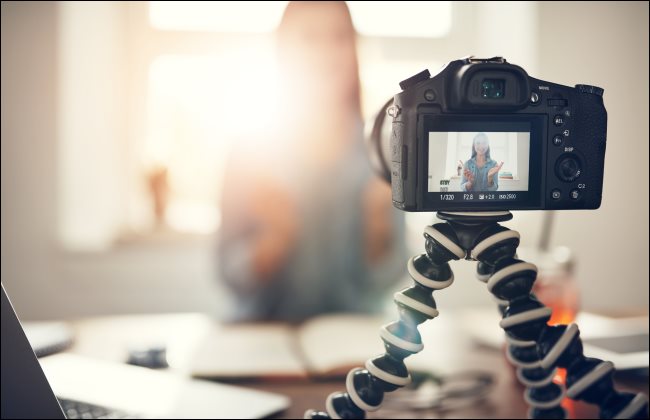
[(590, 120)]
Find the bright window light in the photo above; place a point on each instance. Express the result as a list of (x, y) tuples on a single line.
[(406, 19), (197, 106), (412, 19), (217, 16)]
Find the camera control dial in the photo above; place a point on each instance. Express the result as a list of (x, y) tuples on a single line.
[(594, 90), (568, 168), (415, 79)]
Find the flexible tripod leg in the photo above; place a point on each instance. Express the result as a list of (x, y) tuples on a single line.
[(537, 348), (387, 372), (542, 394)]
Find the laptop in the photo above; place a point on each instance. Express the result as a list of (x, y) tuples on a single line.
[(70, 386)]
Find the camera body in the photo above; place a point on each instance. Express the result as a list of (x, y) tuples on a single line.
[(482, 135)]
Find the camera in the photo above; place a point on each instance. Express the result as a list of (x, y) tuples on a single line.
[(482, 135)]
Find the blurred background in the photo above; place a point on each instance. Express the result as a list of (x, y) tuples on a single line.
[(118, 120)]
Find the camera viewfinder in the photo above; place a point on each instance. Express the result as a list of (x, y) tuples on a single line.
[(493, 88)]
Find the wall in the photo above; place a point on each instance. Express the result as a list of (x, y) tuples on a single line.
[(29, 76), (606, 44)]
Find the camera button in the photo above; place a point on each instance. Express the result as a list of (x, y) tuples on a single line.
[(556, 194), (397, 142), (397, 183), (575, 194), (558, 120), (558, 140), (534, 98)]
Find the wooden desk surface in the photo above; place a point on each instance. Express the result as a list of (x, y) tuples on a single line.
[(108, 338), (505, 401)]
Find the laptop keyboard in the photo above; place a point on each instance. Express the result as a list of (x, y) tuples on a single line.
[(78, 410)]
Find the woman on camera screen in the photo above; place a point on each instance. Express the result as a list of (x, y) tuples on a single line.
[(480, 172)]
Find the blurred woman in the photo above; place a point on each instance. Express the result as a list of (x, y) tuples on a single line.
[(307, 228)]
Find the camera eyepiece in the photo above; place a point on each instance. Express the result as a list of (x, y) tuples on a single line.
[(493, 88)]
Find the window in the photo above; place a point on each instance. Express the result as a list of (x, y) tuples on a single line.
[(153, 95), (197, 106), (216, 16), (401, 19), (198, 102)]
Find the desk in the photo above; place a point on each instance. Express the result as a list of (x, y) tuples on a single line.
[(504, 402), (109, 338)]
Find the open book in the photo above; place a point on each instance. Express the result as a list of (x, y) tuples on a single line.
[(328, 345)]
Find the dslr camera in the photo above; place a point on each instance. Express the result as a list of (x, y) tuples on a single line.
[(482, 135)]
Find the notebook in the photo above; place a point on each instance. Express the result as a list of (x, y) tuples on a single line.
[(327, 346)]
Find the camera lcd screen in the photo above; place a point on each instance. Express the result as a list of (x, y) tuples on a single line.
[(457, 174), (483, 165)]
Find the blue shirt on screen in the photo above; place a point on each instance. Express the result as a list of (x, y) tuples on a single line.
[(480, 176)]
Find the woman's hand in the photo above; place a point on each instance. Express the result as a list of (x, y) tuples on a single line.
[(377, 220), (469, 176), (495, 170), (276, 213)]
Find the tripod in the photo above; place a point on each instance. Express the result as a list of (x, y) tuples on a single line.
[(534, 347)]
